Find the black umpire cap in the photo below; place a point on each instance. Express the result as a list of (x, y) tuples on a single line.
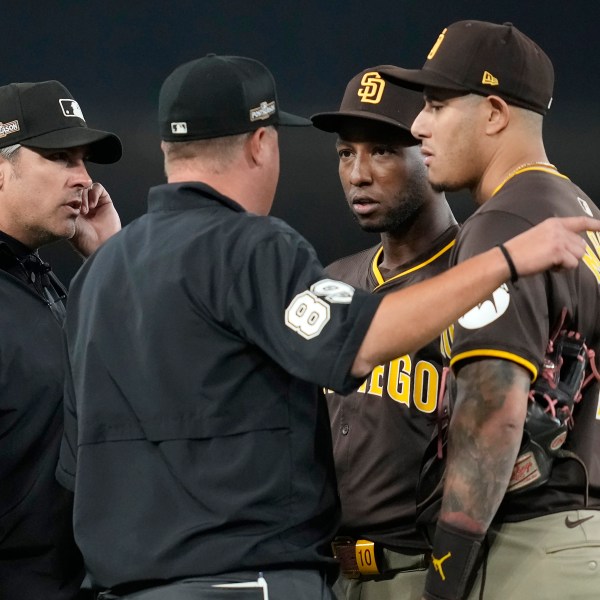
[(45, 115), (217, 96)]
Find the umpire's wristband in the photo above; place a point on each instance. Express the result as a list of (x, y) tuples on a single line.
[(455, 558)]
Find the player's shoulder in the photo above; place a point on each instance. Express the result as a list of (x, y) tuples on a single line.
[(348, 266), (537, 195)]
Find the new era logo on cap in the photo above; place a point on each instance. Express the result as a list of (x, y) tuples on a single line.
[(489, 79), (70, 108)]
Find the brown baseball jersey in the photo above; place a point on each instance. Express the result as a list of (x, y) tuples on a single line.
[(381, 430), (515, 322)]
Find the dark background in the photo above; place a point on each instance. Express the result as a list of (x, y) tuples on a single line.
[(113, 56)]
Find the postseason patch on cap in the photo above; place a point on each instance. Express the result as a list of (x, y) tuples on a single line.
[(8, 128), (262, 112)]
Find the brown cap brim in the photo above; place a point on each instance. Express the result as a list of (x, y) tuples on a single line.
[(417, 79), (334, 122), (331, 121)]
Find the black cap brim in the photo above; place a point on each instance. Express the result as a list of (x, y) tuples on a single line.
[(289, 120), (418, 79), (104, 147)]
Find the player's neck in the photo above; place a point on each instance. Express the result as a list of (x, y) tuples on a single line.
[(507, 162), (403, 247)]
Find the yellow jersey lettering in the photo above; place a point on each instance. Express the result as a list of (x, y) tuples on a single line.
[(426, 384), (398, 386), (402, 383), (376, 386), (595, 239), (446, 342), (591, 261)]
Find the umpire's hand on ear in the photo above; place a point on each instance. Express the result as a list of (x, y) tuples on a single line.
[(97, 221)]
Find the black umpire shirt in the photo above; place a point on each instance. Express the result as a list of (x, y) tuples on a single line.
[(197, 437), (38, 556)]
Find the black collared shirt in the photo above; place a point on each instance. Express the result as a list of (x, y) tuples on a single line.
[(26, 265), (197, 435), (38, 556)]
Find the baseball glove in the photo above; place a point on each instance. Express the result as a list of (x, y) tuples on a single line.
[(567, 369)]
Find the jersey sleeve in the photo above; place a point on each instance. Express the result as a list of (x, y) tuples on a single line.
[(512, 324), (282, 300)]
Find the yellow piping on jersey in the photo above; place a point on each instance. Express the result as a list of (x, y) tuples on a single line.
[(381, 280), (497, 354), (550, 170)]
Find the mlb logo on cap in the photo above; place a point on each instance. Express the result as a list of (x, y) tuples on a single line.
[(71, 108), (179, 128)]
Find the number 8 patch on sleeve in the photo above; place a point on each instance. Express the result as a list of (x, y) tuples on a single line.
[(307, 315)]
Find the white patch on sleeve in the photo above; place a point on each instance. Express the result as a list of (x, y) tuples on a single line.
[(335, 292), (307, 315), (488, 311), (309, 311), (586, 207)]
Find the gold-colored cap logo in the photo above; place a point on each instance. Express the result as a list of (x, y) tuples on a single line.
[(373, 86), (437, 44), (489, 79)]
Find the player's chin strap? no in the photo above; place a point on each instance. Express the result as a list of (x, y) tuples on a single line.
[(455, 560)]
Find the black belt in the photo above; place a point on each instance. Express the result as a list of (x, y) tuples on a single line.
[(362, 559)]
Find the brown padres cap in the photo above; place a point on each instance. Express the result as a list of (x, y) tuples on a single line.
[(369, 96), (488, 59)]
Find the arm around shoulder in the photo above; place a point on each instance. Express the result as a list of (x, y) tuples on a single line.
[(410, 318)]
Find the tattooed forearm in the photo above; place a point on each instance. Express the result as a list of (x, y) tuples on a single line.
[(485, 435)]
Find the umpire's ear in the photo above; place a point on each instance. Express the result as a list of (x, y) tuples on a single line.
[(261, 145)]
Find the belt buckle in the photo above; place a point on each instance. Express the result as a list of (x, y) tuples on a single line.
[(343, 552), (356, 557)]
